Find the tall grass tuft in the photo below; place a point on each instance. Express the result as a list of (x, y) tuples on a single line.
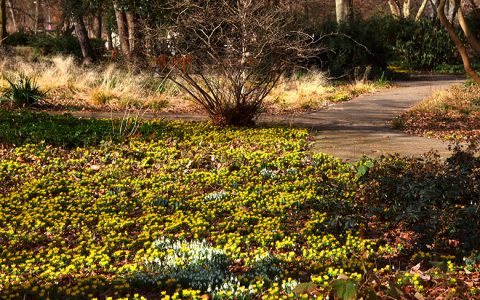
[(23, 92), (70, 84)]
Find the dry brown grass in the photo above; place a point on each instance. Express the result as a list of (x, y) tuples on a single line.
[(457, 99), (313, 91), (111, 87), (451, 114), (104, 86)]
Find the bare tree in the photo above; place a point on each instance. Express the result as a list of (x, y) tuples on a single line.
[(461, 47), (82, 36), (231, 53), (98, 24), (421, 10)]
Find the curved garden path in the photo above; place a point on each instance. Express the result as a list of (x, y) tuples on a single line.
[(359, 127), (362, 126)]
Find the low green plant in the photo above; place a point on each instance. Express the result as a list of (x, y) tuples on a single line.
[(436, 199), (23, 92), (196, 264)]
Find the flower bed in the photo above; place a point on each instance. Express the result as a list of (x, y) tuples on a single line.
[(189, 211)]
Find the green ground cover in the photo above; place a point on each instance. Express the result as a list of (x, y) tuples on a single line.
[(178, 210)]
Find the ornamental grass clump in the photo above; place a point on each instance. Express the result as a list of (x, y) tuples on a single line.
[(23, 92)]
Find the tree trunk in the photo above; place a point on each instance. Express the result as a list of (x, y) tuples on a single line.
[(434, 4), (37, 16), (421, 10), (3, 21), (457, 41), (82, 36), (471, 38), (130, 16), (12, 12), (122, 30), (395, 8), (453, 10), (109, 38), (406, 9), (98, 24), (344, 11)]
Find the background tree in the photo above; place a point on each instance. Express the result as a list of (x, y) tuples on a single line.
[(403, 8), (463, 48), (12, 14), (230, 54), (344, 10), (3, 21), (76, 10)]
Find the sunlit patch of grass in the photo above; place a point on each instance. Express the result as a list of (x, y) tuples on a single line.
[(457, 99), (453, 113), (313, 91), (112, 87), (70, 84)]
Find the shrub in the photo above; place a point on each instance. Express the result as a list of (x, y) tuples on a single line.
[(421, 45), (352, 45), (18, 38), (24, 92), (231, 72), (49, 44), (384, 40), (436, 199)]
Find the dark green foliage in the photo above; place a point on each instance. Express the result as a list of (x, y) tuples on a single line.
[(23, 92), (18, 38), (453, 68), (26, 127), (439, 200), (352, 46), (49, 44), (419, 45), (384, 40)]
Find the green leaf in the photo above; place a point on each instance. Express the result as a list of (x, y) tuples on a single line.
[(345, 289), (361, 170)]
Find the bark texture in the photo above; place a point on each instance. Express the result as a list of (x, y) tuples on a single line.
[(132, 38), (344, 10), (98, 25), (462, 49), (3, 21), (421, 10), (12, 13), (82, 36), (121, 19)]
